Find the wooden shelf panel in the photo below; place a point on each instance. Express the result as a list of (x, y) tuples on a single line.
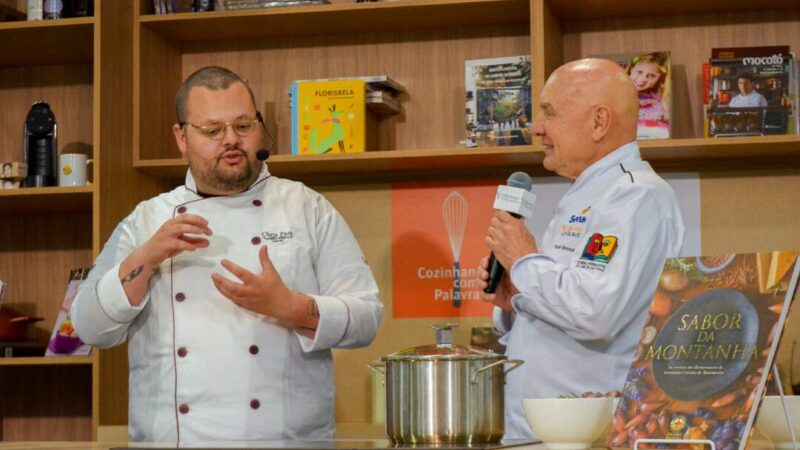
[(46, 200), (337, 19), (43, 42), (573, 10), (379, 167), (48, 361), (671, 155)]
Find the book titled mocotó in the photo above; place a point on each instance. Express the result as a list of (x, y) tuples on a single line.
[(706, 350)]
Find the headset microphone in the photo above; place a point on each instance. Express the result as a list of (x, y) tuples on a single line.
[(263, 154)]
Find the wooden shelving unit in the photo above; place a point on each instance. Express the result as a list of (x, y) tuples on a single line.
[(45, 232), (415, 33)]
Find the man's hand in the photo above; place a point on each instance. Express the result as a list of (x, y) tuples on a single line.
[(170, 240), (505, 289), (267, 294), (173, 238), (509, 239)]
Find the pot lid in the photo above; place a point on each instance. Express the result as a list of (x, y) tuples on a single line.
[(443, 349)]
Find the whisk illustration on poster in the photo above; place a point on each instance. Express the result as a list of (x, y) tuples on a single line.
[(438, 233), (454, 212)]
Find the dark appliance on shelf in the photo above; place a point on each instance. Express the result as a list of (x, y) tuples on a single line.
[(40, 146)]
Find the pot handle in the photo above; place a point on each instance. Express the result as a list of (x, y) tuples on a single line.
[(515, 362), (376, 367)]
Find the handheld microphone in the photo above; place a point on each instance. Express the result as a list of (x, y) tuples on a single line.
[(516, 198), (263, 154)]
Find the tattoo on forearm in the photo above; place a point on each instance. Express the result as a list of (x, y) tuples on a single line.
[(134, 273), (313, 309)]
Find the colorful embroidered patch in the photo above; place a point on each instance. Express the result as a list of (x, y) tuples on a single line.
[(600, 248)]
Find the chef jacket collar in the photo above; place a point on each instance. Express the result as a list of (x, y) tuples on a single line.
[(192, 186), (628, 155)]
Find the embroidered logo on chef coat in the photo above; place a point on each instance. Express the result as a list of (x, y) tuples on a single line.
[(598, 251), (573, 227), (276, 236)]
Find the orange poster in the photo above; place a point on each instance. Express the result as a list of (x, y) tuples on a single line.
[(438, 233)]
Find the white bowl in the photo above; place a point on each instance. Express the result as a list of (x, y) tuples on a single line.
[(772, 423), (569, 423)]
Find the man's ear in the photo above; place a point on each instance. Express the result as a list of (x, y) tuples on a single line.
[(601, 118), (180, 138)]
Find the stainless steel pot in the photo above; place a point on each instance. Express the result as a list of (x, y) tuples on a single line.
[(444, 393)]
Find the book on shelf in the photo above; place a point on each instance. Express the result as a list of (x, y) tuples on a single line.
[(382, 102), (707, 349), (498, 101), (64, 341), (328, 117), (371, 83), (751, 91), (651, 73)]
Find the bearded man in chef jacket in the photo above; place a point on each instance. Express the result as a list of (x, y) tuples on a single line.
[(231, 290), (573, 308)]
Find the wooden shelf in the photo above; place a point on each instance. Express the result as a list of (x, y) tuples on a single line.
[(573, 10), (47, 361), (46, 42), (46, 200), (665, 155), (337, 19)]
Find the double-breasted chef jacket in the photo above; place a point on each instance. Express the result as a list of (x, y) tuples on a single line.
[(584, 298), (203, 368)]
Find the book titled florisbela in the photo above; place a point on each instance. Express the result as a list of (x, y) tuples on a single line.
[(706, 350), (498, 101), (328, 117)]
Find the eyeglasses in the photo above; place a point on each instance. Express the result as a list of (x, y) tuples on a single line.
[(216, 130)]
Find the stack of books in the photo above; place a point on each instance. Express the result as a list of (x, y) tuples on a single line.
[(750, 91)]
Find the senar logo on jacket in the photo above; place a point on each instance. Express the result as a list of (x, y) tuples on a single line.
[(600, 248)]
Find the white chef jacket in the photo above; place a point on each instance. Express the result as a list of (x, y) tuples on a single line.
[(583, 300), (203, 368)]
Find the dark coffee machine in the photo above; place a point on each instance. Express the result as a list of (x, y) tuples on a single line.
[(40, 142)]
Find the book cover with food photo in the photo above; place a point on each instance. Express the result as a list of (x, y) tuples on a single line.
[(706, 349), (64, 341)]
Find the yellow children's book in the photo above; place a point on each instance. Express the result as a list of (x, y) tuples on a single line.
[(328, 117)]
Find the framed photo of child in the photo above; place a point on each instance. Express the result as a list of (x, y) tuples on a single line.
[(650, 73)]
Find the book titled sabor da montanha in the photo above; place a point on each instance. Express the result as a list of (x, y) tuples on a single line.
[(706, 350)]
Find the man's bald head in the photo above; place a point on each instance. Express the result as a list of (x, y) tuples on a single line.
[(593, 82), (588, 108)]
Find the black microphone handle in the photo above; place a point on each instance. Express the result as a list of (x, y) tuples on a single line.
[(496, 272)]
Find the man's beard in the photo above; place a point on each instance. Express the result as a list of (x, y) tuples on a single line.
[(230, 182)]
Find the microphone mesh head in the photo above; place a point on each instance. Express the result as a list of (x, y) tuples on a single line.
[(520, 180)]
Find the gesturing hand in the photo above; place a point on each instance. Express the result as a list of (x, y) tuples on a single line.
[(174, 238), (264, 293), (170, 240)]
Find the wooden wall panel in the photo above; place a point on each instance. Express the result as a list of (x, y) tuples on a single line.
[(430, 64)]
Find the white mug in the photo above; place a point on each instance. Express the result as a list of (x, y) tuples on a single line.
[(72, 169)]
